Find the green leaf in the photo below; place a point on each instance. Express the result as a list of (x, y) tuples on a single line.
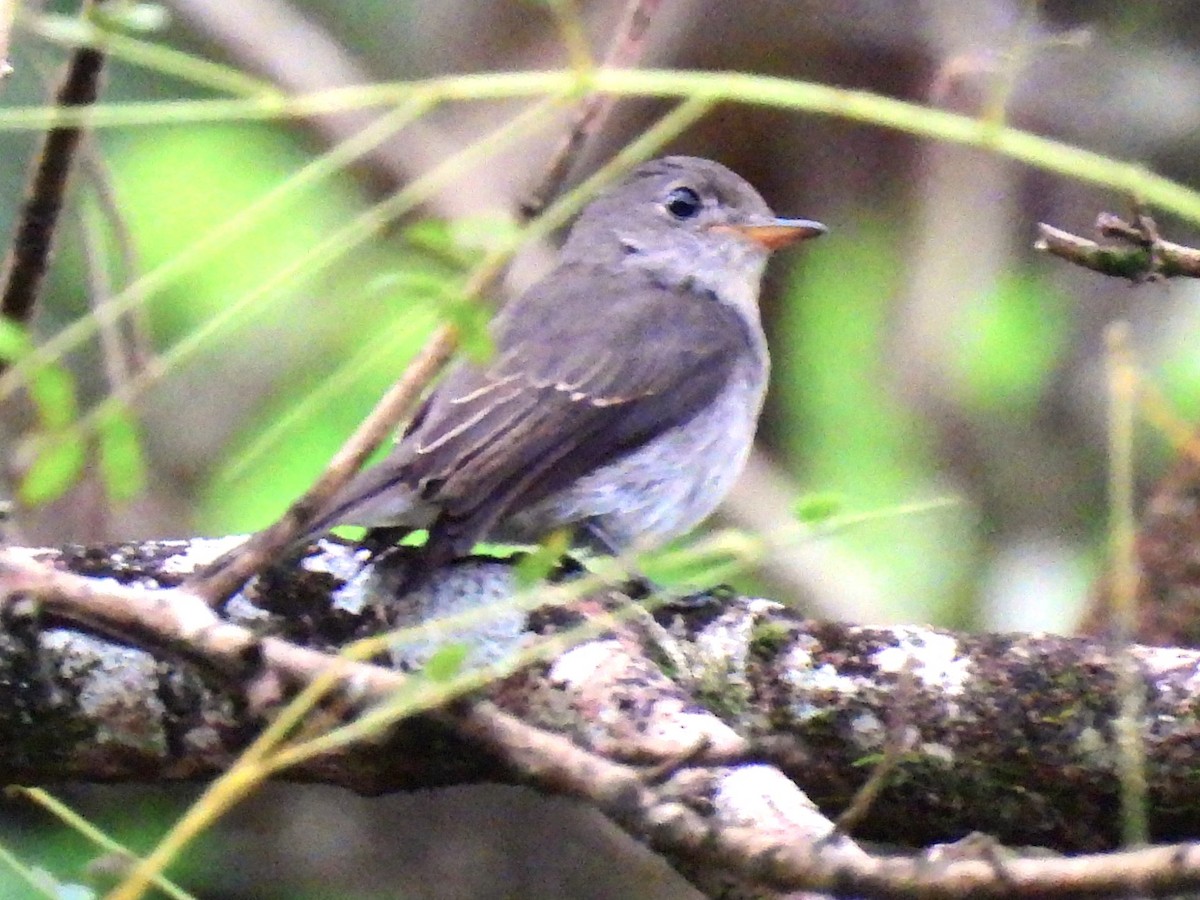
[(534, 568), (462, 242), (122, 465), (813, 509), (435, 236), (58, 464), (14, 341), (52, 389), (484, 234), (420, 284), (446, 662)]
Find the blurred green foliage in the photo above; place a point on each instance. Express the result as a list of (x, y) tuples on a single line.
[(846, 435), (41, 842), (1007, 343), (379, 295)]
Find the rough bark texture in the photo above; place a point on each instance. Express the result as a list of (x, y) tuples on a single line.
[(1009, 734)]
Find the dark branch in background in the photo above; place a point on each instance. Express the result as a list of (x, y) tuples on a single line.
[(593, 109), (33, 241), (1141, 253)]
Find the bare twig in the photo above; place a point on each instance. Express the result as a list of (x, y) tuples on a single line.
[(140, 346), (1145, 255), (117, 361), (893, 752), (33, 241), (624, 51)]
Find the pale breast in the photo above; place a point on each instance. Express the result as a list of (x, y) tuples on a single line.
[(667, 487)]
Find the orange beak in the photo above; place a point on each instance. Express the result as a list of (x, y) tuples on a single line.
[(777, 233)]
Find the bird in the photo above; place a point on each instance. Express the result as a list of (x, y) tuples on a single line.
[(625, 387)]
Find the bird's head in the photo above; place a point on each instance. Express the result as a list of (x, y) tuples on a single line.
[(687, 221)]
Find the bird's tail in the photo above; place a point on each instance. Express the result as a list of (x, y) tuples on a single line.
[(374, 498)]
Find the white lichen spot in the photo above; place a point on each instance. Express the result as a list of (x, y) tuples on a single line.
[(339, 563), (241, 611), (204, 741), (354, 596), (812, 686), (114, 688), (934, 659), (935, 752), (1168, 662), (868, 731), (577, 665), (199, 553), (1090, 744)]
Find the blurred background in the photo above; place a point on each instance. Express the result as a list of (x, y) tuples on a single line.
[(921, 350)]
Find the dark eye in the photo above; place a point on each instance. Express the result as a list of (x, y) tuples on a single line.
[(683, 203)]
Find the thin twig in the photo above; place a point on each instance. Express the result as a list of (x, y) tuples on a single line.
[(33, 241), (574, 38), (593, 109), (1139, 260), (117, 362), (893, 752), (140, 346)]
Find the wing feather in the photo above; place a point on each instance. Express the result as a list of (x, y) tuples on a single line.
[(556, 404)]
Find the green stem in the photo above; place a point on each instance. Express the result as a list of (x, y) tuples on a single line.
[(760, 90)]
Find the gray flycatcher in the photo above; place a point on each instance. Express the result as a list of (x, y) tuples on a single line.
[(626, 386)]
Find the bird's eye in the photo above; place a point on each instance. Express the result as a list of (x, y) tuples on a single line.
[(683, 203)]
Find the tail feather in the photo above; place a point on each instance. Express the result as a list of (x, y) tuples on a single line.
[(374, 498)]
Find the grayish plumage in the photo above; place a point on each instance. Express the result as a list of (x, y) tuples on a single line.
[(626, 386)]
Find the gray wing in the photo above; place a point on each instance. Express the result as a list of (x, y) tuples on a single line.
[(573, 386)]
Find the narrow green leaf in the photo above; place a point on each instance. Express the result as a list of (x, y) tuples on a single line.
[(446, 662), (534, 568), (14, 341), (57, 466), (122, 465), (422, 284), (813, 509), (434, 236), (52, 389)]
